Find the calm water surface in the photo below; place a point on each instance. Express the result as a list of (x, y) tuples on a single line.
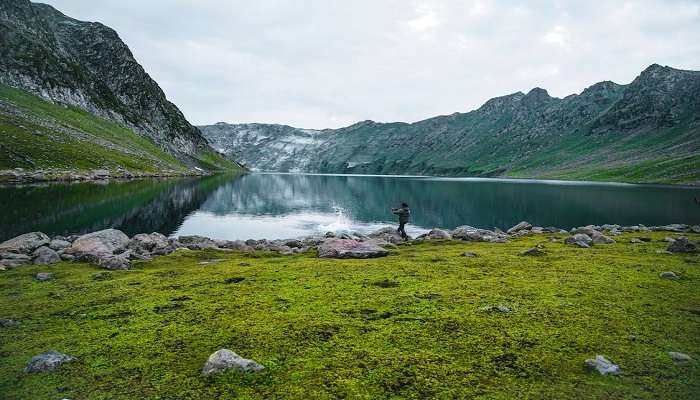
[(286, 205)]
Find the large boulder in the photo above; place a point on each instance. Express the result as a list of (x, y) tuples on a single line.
[(24, 244), (589, 230), (12, 260), (48, 361), (521, 226), (59, 244), (580, 240), (348, 248), (682, 245), (388, 234), (471, 234), (224, 359), (101, 244), (45, 255)]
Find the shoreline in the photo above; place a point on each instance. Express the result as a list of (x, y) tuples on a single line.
[(19, 176), (114, 250)]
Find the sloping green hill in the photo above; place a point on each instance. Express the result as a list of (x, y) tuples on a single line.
[(36, 134)]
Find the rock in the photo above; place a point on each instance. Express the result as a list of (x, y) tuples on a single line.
[(100, 174), (8, 323), (663, 252), (348, 248), (224, 359), (668, 239), (146, 245), (586, 230), (24, 244), (48, 361), (44, 276), (116, 261), (45, 255), (469, 254), (388, 234), (381, 243), (534, 252), (438, 234), (59, 244), (12, 260), (695, 228), (668, 275), (679, 357), (580, 240), (599, 238), (195, 242), (522, 226), (603, 366), (682, 245), (496, 308), (237, 245), (469, 233), (97, 245), (635, 241), (67, 257)]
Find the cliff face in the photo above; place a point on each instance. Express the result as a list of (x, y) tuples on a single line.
[(648, 130), (86, 64)]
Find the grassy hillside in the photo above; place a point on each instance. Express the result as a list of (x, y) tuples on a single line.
[(412, 325), (37, 134)]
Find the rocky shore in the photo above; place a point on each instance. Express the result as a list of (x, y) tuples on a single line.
[(19, 175), (114, 250)]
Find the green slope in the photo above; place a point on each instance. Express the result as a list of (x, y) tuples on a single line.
[(37, 134)]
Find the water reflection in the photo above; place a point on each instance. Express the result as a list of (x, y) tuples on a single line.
[(286, 205)]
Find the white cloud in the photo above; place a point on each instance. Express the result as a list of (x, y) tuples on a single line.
[(321, 63)]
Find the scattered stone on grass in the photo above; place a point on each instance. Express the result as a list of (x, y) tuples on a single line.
[(534, 252), (682, 245), (679, 357), (24, 244), (602, 365), (224, 359), (8, 323), (521, 226), (469, 254), (668, 275), (44, 276), (48, 361), (580, 240), (496, 308)]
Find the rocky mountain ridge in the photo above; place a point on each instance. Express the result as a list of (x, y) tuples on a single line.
[(607, 132), (86, 64)]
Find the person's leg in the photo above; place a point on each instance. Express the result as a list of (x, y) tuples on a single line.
[(402, 230)]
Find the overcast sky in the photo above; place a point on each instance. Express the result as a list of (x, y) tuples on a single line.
[(330, 63)]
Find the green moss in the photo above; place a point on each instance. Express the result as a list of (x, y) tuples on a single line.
[(405, 326)]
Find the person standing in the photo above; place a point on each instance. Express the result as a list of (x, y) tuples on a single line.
[(404, 214)]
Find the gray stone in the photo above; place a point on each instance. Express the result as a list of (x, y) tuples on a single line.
[(116, 261), (24, 244), (635, 241), (469, 254), (196, 242), (294, 243), (147, 245), (237, 245), (521, 226), (44, 256), (388, 234), (97, 245), (682, 245), (679, 357), (599, 238), (534, 252), (48, 361), (603, 366), (12, 260), (668, 239), (668, 275), (580, 240), (471, 234), (438, 234), (224, 359), (59, 244), (44, 276), (8, 323), (586, 230), (348, 248)]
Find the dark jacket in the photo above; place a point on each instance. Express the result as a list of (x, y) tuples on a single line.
[(403, 213)]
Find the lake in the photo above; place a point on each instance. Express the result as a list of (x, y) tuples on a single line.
[(274, 206)]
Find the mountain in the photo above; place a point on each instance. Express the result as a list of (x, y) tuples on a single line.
[(645, 131), (86, 65)]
